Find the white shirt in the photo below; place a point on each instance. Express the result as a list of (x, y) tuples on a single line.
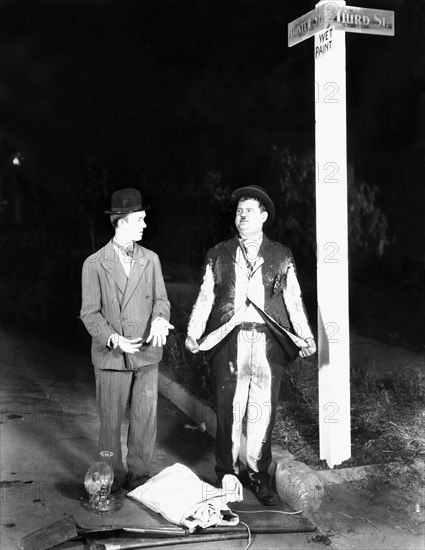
[(251, 253), (125, 260)]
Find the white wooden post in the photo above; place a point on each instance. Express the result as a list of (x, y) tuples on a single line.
[(325, 23), (332, 244)]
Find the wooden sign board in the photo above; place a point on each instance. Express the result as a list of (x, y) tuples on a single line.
[(305, 26), (342, 18), (362, 20), (323, 42)]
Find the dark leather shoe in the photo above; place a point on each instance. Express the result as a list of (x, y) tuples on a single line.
[(264, 492)]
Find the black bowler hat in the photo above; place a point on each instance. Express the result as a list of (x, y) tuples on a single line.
[(259, 193), (125, 201)]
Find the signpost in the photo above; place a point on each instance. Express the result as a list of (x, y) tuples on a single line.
[(345, 18), (325, 23)]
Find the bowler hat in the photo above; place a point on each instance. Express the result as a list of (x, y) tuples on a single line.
[(259, 193), (125, 201)]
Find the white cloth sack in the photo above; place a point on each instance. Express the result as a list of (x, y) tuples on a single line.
[(182, 498)]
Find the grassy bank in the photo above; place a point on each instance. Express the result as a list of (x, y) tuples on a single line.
[(387, 406)]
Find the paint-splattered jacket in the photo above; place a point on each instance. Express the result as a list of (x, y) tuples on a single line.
[(230, 289)]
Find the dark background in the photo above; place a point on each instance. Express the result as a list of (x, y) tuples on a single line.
[(187, 100)]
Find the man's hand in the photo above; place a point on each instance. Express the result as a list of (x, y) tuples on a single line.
[(192, 345), (159, 331), (309, 350), (127, 345)]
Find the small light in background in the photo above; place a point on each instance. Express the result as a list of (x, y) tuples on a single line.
[(17, 159)]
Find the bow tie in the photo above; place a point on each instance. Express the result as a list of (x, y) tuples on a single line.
[(127, 250)]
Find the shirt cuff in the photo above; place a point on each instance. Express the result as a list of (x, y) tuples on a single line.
[(110, 343)]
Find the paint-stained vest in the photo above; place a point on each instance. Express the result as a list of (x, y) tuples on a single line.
[(222, 260)]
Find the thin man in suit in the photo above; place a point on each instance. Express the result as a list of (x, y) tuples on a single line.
[(125, 309)]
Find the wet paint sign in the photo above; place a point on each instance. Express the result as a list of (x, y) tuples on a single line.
[(323, 44)]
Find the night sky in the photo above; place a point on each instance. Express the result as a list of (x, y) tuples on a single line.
[(193, 82), (171, 89), (151, 81)]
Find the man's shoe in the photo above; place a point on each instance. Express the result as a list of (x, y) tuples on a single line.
[(264, 492)]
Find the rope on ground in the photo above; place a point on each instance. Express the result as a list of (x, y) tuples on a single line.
[(267, 512), (249, 535)]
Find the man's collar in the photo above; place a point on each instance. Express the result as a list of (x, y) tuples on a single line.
[(124, 244), (124, 248), (252, 239)]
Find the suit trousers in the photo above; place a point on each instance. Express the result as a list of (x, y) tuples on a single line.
[(135, 393), (247, 370)]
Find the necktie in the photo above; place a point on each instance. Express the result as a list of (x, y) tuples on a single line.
[(250, 249)]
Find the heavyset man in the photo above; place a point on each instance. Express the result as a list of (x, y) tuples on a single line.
[(250, 319)]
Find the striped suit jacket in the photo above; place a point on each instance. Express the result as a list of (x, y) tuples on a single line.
[(113, 303)]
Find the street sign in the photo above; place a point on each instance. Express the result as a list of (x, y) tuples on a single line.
[(305, 26), (343, 18), (363, 20)]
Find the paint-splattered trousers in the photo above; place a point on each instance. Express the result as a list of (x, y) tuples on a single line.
[(247, 370)]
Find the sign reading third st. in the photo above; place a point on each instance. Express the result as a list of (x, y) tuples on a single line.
[(342, 18)]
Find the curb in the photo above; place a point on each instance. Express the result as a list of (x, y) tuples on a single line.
[(187, 403)]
